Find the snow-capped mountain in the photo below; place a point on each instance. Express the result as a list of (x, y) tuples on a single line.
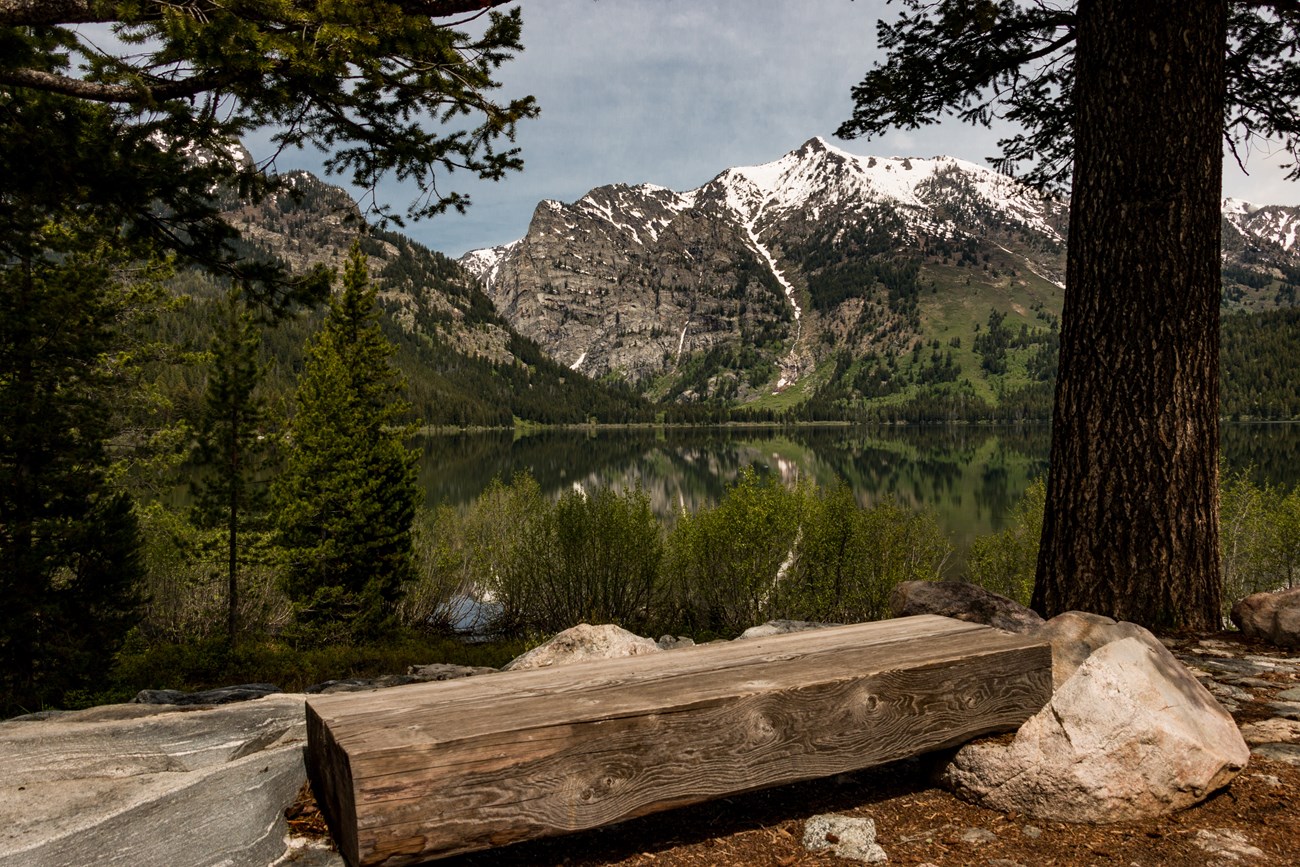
[(756, 279)]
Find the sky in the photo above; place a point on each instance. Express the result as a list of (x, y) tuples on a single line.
[(672, 92)]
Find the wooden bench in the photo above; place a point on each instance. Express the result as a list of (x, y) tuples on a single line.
[(430, 770)]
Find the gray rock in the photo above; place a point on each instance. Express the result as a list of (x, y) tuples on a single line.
[(301, 852), (445, 671), (349, 684), (1272, 731), (1129, 736), (1239, 667), (1231, 846), (674, 642), (1287, 709), (978, 836), (781, 627), (1227, 691), (1254, 683), (962, 601), (1272, 617), (584, 642), (1289, 753), (1292, 694), (223, 695), (161, 785), (844, 836), (1033, 832)]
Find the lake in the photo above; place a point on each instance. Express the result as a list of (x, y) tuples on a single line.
[(970, 475)]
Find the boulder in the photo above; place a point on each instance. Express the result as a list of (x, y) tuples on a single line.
[(1272, 617), (145, 785), (1076, 635), (846, 837), (222, 695), (962, 601), (447, 671), (782, 627), (583, 642), (1128, 736)]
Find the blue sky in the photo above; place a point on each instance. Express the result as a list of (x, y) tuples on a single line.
[(674, 91)]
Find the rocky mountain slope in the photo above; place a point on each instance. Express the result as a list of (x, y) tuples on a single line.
[(822, 272), (464, 362)]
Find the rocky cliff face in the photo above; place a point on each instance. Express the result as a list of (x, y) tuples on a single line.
[(749, 283), (312, 222)]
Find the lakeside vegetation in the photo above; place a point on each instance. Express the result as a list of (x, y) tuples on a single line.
[(516, 566)]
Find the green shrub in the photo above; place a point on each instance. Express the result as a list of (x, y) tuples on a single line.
[(185, 586), (442, 596), (1259, 537), (602, 553), (1005, 562), (725, 564), (849, 559)]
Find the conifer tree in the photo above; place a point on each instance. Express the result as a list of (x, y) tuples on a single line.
[(69, 543), (229, 441), (346, 498), (1133, 103)]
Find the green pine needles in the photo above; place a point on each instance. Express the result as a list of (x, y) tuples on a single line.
[(346, 498)]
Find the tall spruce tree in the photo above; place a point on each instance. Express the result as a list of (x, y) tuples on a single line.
[(230, 440), (347, 495), (1134, 99), (69, 544)]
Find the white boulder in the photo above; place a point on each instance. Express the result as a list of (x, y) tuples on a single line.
[(1128, 735), (583, 642)]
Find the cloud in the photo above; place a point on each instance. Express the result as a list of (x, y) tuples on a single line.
[(674, 91)]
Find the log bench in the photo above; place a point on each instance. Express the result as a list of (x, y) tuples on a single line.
[(430, 770)]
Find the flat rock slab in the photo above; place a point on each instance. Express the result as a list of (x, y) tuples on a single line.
[(171, 788)]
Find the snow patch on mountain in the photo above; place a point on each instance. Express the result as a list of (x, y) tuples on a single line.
[(485, 264), (1276, 224)]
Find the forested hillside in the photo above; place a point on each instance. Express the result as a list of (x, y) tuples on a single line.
[(463, 363)]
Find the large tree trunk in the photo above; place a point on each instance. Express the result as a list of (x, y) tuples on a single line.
[(1131, 528)]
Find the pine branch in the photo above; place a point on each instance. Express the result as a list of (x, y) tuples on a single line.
[(49, 13), (142, 94)]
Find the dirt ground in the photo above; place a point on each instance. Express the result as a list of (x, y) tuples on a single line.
[(918, 823)]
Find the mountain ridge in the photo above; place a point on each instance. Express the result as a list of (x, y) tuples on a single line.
[(759, 280)]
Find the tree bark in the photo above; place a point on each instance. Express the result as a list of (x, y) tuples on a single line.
[(1131, 526)]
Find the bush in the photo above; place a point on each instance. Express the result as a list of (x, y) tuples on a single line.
[(185, 586), (528, 565), (1259, 537), (726, 564), (1005, 562), (849, 559), (603, 565)]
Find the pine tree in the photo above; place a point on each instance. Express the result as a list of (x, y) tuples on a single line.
[(69, 543), (229, 441), (346, 498), (1131, 101), (381, 86)]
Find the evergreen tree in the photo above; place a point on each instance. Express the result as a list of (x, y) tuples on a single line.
[(69, 544), (1133, 102), (346, 498), (229, 440), (116, 124)]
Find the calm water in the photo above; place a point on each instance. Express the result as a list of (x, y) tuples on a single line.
[(971, 476)]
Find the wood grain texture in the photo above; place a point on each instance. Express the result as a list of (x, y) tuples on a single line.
[(432, 770)]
